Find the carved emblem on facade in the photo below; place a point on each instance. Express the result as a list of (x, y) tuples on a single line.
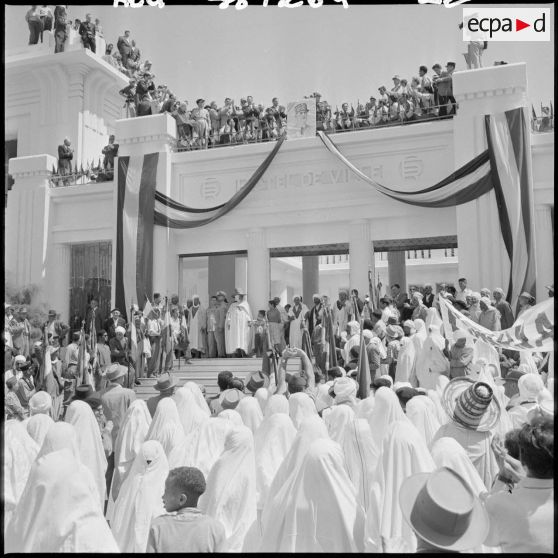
[(210, 189), (411, 167)]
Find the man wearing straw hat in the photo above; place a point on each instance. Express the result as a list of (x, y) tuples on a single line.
[(474, 412)]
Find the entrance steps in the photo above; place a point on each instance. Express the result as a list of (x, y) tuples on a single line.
[(205, 370)]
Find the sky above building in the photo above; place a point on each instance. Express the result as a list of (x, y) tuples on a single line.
[(345, 54)]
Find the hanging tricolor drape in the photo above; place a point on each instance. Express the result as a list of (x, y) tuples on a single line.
[(174, 215), (137, 180), (503, 167)]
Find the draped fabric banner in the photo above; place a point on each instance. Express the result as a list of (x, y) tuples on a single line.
[(171, 214), (510, 161), (532, 331), (134, 229), (464, 185)]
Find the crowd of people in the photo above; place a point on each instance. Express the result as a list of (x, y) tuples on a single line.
[(208, 124), (285, 462)]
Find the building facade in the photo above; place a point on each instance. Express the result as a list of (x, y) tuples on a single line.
[(306, 208)]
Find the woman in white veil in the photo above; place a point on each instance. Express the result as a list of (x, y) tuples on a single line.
[(337, 419), (231, 415), (421, 411), (38, 426), (166, 427), (231, 488), (431, 361), (20, 452), (198, 396), (211, 443), (59, 510), (272, 442), (90, 443), (301, 406), (319, 511), (403, 454), (140, 498), (262, 397), (251, 413)]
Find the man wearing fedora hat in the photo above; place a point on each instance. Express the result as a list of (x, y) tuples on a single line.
[(166, 386), (443, 511), (474, 412)]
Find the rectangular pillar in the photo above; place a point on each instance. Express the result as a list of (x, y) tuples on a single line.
[(361, 254), (310, 278), (258, 270), (221, 270), (27, 221), (397, 270)]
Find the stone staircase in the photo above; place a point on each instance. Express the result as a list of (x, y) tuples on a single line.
[(205, 371)]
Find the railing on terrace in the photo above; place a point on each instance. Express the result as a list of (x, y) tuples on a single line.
[(80, 177), (542, 124), (419, 254), (242, 133)]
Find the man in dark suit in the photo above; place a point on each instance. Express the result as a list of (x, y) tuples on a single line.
[(144, 106), (110, 151), (428, 299), (124, 47), (94, 309), (399, 297), (87, 31), (113, 322), (65, 156), (56, 327)]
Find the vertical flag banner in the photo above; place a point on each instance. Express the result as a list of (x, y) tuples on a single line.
[(134, 227), (301, 119), (510, 161), (364, 378)]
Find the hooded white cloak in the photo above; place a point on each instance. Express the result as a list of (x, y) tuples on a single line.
[(301, 406), (319, 511), (272, 442), (59, 510), (404, 453), (38, 426), (231, 488), (421, 411), (336, 420), (140, 498), (211, 443), (251, 413), (90, 443), (166, 427)]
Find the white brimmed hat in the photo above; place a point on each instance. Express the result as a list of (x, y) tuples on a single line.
[(443, 510)]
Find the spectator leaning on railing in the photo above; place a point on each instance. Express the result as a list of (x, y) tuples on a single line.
[(87, 32)]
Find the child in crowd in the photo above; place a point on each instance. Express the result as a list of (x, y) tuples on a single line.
[(184, 528)]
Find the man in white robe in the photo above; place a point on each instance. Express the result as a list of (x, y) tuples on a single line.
[(198, 328), (237, 325), (296, 315)]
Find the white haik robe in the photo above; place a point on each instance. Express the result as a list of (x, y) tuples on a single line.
[(237, 330)]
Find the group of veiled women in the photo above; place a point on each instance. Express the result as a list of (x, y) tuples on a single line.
[(280, 476)]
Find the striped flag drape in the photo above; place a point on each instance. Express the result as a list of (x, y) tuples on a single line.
[(137, 180), (511, 175), (364, 379)]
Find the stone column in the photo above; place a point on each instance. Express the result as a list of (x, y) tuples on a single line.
[(482, 255), (27, 218), (258, 269), (397, 270), (310, 278), (360, 255), (58, 279), (545, 250)]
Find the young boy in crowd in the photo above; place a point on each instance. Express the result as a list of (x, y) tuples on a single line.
[(184, 528)]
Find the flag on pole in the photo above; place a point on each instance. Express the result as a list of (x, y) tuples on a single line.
[(363, 369), (147, 309), (331, 360), (166, 335), (93, 339), (82, 363), (133, 336), (307, 344), (269, 364), (46, 368)]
